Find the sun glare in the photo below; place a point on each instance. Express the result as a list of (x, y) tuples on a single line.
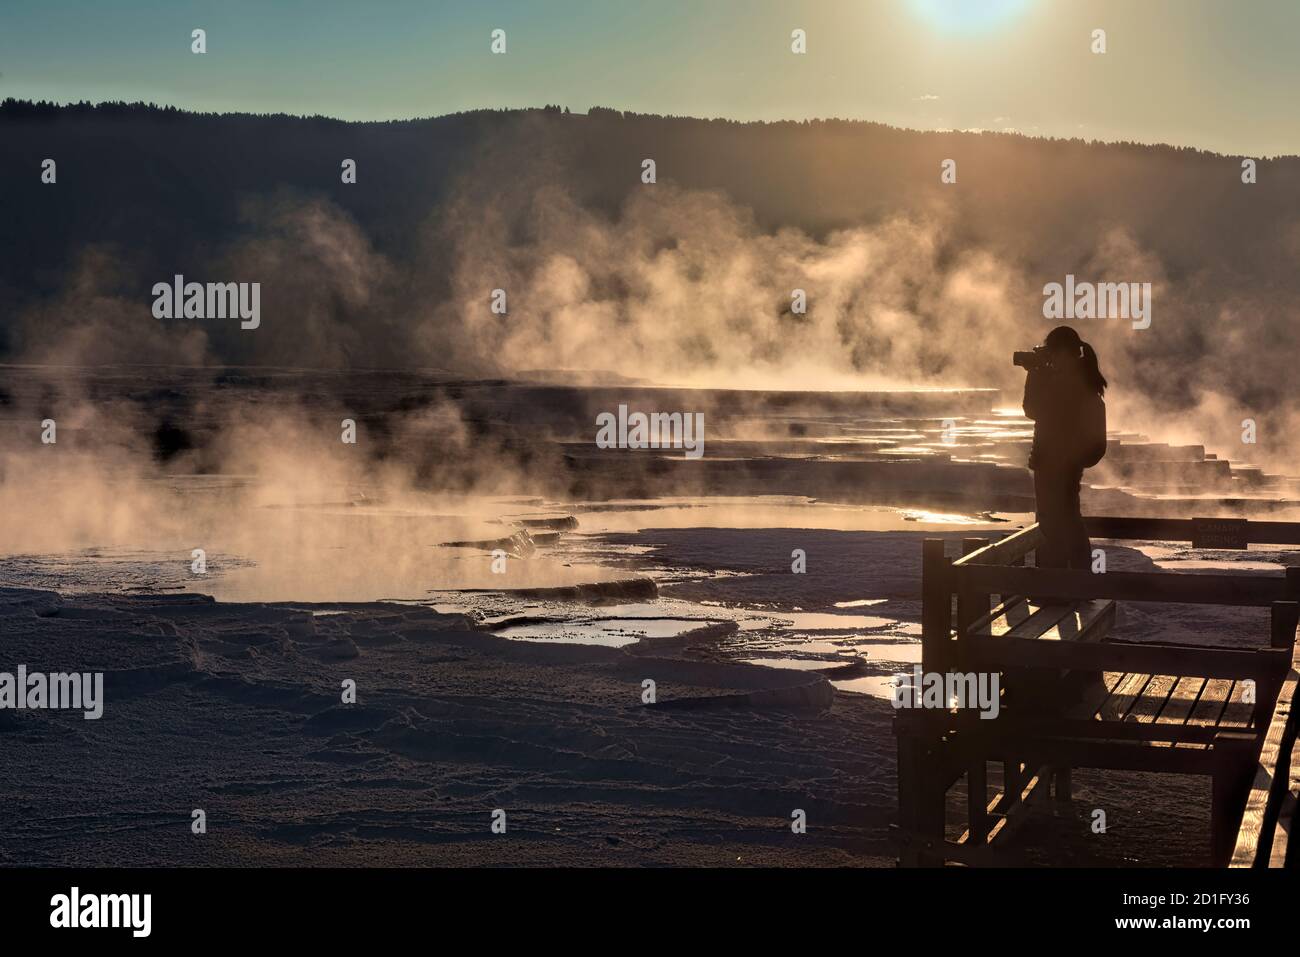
[(967, 16)]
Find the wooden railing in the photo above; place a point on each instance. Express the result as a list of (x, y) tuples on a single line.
[(998, 568), (988, 582)]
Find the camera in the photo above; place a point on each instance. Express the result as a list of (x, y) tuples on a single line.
[(1030, 360)]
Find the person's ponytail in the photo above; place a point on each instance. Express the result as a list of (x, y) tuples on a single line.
[(1092, 371)]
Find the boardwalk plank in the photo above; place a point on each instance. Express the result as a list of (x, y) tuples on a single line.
[(1274, 763), (1152, 699), (1210, 705), (1117, 704), (1238, 713), (1284, 841)]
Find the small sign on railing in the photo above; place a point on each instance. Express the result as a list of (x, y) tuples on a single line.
[(1220, 533)]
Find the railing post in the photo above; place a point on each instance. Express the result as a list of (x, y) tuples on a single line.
[(977, 799), (1062, 788), (1013, 783), (928, 761), (1285, 615), (936, 607), (1234, 754), (1283, 618), (971, 606)]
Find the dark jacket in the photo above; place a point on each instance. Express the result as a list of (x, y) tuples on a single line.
[(1069, 418)]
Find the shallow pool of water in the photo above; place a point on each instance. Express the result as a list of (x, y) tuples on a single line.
[(611, 632)]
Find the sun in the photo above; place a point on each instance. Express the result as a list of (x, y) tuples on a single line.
[(967, 16)]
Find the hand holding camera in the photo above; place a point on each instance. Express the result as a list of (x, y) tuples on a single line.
[(1029, 361)]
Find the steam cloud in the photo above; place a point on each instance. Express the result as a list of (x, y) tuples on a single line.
[(682, 287)]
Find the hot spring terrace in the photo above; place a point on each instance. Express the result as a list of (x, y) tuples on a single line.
[(934, 448)]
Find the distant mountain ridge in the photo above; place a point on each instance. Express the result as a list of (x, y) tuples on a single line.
[(168, 185)]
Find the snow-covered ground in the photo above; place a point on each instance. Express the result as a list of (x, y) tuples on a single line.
[(234, 707)]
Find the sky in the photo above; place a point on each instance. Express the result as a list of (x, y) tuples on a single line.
[(1212, 74)]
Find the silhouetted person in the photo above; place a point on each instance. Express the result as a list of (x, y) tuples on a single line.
[(1063, 395)]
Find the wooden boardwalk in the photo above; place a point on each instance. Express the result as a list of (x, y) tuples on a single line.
[(1070, 696)]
